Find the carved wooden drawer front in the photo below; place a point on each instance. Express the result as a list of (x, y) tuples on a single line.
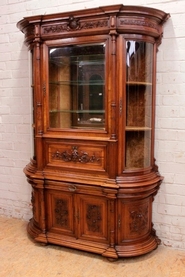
[(76, 155)]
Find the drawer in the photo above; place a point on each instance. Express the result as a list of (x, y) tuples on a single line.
[(76, 155)]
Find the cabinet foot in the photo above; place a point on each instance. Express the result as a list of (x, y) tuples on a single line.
[(110, 254), (35, 233), (112, 259), (43, 244)]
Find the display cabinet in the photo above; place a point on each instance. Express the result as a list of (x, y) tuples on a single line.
[(93, 173)]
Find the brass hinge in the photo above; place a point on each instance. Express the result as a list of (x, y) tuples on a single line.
[(119, 222), (78, 216), (120, 107), (44, 88)]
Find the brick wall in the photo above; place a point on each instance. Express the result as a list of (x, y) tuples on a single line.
[(15, 111)]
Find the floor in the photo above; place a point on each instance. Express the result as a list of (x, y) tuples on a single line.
[(21, 257)]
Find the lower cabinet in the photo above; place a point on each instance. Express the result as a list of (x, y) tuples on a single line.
[(102, 220), (77, 219), (135, 232)]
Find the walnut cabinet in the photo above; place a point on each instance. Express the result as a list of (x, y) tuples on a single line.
[(93, 173)]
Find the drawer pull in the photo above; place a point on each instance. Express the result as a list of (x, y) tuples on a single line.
[(72, 188)]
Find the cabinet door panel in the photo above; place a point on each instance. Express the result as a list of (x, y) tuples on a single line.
[(60, 212), (93, 218), (134, 219)]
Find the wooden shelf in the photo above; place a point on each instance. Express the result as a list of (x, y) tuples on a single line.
[(74, 83), (135, 128), (136, 83)]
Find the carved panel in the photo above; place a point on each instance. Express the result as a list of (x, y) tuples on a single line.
[(61, 212), (134, 219), (60, 209), (138, 219), (75, 156), (94, 24), (94, 218), (138, 22), (93, 211), (73, 25)]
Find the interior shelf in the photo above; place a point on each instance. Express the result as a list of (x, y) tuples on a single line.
[(136, 83), (135, 128), (78, 111), (79, 83)]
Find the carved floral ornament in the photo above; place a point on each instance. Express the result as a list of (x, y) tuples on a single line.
[(74, 24), (75, 156), (138, 22), (139, 219)]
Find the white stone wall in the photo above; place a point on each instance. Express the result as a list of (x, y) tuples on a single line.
[(15, 111)]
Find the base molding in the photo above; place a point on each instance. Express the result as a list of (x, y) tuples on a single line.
[(127, 249)]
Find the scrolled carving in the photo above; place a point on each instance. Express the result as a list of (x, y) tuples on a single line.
[(138, 22), (94, 218), (75, 156), (55, 28), (138, 219), (94, 24), (74, 24), (61, 212)]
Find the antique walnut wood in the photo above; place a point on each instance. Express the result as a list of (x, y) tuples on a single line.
[(93, 172)]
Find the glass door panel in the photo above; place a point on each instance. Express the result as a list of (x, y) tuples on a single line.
[(77, 86), (139, 68)]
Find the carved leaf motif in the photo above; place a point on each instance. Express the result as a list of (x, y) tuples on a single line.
[(139, 23), (95, 24), (74, 25), (55, 29), (139, 220), (75, 156), (94, 218), (61, 212)]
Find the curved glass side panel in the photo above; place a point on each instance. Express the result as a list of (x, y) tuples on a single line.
[(77, 86), (139, 69)]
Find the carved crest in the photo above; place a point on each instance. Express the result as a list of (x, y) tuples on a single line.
[(73, 24)]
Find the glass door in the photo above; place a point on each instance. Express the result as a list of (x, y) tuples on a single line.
[(77, 86), (139, 69)]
